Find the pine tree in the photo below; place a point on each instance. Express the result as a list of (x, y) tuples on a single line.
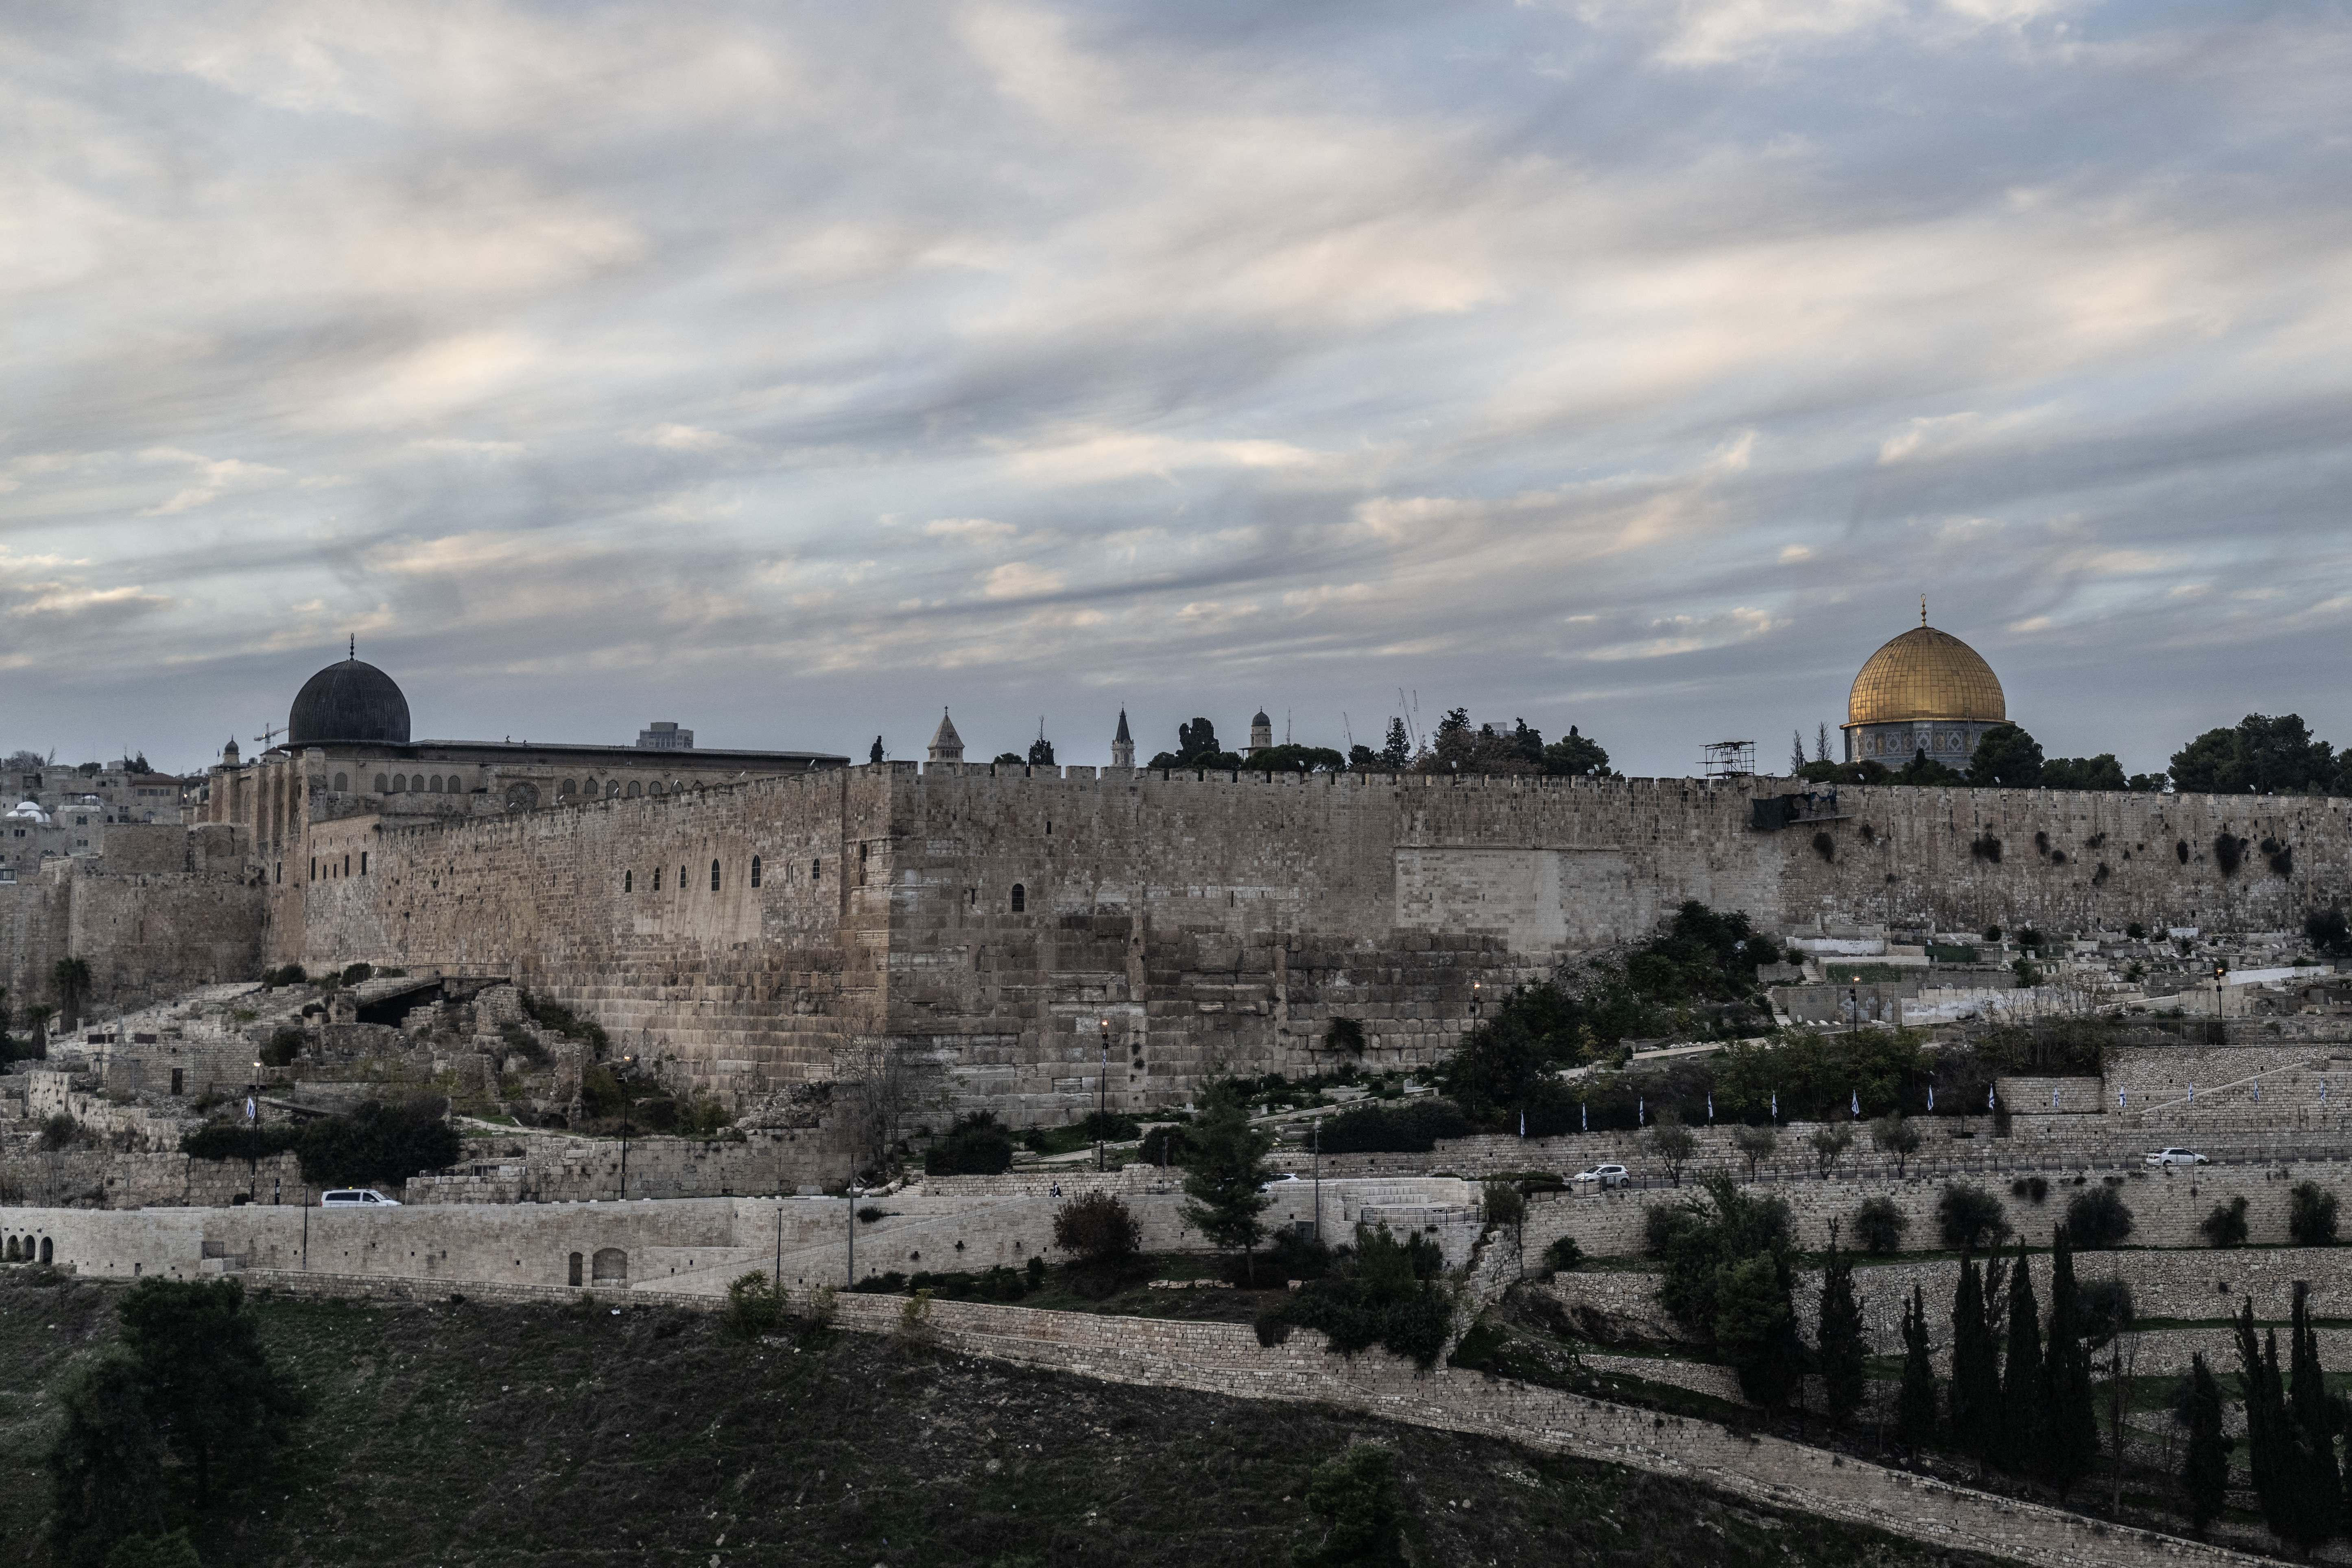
[(2316, 1418), (1796, 752), (1975, 1369), (2070, 1426), (1839, 1339), (2021, 1381), (1225, 1171), (1915, 1409), (2205, 1477)]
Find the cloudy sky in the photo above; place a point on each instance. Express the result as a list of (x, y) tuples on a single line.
[(790, 372)]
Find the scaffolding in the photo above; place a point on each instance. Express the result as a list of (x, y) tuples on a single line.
[(1728, 759)]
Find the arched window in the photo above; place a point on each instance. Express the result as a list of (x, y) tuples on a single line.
[(628, 881), (433, 784), (657, 878), (612, 1265), (654, 788), (46, 1256), (714, 876), (342, 783), (1020, 897), (399, 783), (575, 1268), (611, 789), (755, 870), (572, 786), (380, 788), (816, 870), (636, 789)]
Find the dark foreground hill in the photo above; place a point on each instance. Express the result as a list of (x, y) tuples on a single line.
[(457, 1434)]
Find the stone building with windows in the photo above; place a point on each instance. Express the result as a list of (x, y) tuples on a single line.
[(1926, 692)]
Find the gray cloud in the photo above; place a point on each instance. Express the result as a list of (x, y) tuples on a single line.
[(791, 373)]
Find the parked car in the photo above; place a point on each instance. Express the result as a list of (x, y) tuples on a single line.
[(1607, 1176), (2177, 1157), (356, 1198)]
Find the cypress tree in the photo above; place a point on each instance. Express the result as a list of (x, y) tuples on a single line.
[(2021, 1381), (1915, 1409), (2070, 1427), (1839, 1339), (2205, 1477), (2316, 1418), (2269, 1450), (1975, 1369)]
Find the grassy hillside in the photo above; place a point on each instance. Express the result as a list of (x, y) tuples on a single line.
[(454, 1434)]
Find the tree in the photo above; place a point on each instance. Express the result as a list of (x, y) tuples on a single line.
[(2226, 1225), (2006, 757), (1925, 772), (755, 1306), (1755, 1327), (1893, 1135), (1755, 1143), (1358, 1495), (2098, 1218), (1576, 756), (1796, 752), (1100, 1229), (1879, 1225), (2205, 1474), (1696, 1237), (2099, 772), (1289, 759), (882, 1084), (2311, 1215), (2319, 1417), (1838, 1340), (1976, 1366), (2329, 930), (1345, 1036), (209, 1385), (1007, 760), (72, 976), (975, 1145), (1041, 750), (2262, 755), (1829, 1142), (1396, 751), (1673, 1144), (1197, 740), (1914, 1405), (1970, 1218), (106, 1462), (387, 1140), (1227, 1170), (2021, 1372), (2277, 1445), (2069, 1427)]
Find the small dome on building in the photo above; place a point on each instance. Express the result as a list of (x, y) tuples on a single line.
[(1926, 674), (1261, 722), (350, 701)]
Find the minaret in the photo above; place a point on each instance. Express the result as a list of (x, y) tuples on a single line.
[(947, 746), (1261, 733), (228, 753), (1122, 745)]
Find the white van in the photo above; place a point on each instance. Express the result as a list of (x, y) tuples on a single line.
[(356, 1198)]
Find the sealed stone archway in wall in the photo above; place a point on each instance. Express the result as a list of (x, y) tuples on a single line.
[(612, 1265)]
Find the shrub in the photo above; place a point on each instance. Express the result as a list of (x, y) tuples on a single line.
[(974, 1146), (522, 1042), (240, 1139), (1971, 1219), (2311, 1215), (2097, 1217), (291, 975), (356, 972), (1563, 1255), (2226, 1225), (1364, 1509), (1411, 1129), (60, 1132), (1110, 1127), (2035, 1188), (1101, 1230), (1386, 1294), (284, 1047), (754, 1306), (565, 1022), (1344, 1034), (1755, 1143), (1504, 1204), (870, 1214), (1879, 1225)]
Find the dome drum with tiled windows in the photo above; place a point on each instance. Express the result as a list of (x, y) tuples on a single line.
[(349, 702), (1926, 691)]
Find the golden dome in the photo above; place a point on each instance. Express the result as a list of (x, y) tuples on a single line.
[(1926, 674)]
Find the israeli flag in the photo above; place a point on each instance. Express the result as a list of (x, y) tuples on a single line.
[(1988, 1097), (1710, 1104), (2120, 1101), (1584, 1114), (2258, 1091), (1523, 1124), (1856, 1106), (2053, 1099), (1931, 1097), (251, 1114), (1776, 1105), (2192, 1093), (1641, 1112)]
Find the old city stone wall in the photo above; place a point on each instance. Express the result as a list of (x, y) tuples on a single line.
[(166, 909), (1215, 921)]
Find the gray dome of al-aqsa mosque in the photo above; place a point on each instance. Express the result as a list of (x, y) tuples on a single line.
[(348, 703)]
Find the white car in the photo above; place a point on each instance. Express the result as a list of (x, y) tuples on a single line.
[(2176, 1157), (356, 1198), (1607, 1176)]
